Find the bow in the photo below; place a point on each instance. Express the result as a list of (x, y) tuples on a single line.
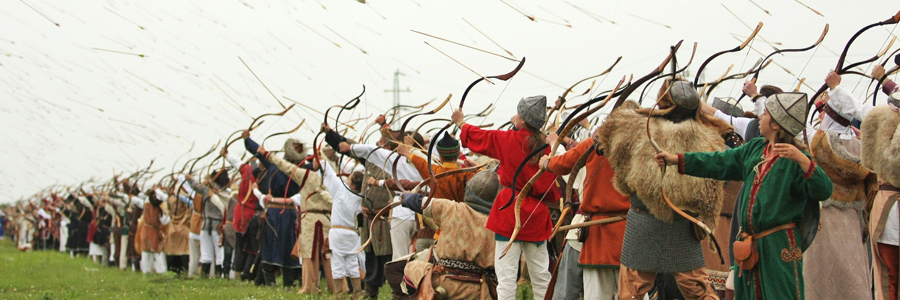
[(563, 131), (403, 133), (735, 49), (756, 74), (562, 98), (390, 206), (283, 132), (886, 74), (839, 68), (674, 72), (431, 146)]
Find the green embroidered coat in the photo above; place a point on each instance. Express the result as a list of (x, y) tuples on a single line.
[(778, 198)]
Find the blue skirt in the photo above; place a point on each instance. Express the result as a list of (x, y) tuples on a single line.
[(279, 236)]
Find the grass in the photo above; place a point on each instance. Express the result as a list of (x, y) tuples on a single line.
[(55, 275)]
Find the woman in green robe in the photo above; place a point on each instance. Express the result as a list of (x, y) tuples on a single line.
[(779, 179)]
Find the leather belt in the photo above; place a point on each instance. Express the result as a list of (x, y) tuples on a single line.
[(281, 205), (343, 227), (768, 232), (835, 116)]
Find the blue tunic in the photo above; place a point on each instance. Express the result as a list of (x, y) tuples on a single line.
[(280, 227)]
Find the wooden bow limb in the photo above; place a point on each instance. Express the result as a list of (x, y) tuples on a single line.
[(592, 223), (462, 101), (840, 64), (735, 49), (819, 41), (319, 112), (562, 98), (632, 87), (526, 189), (579, 164), (415, 190), (883, 64), (283, 132), (719, 80), (662, 189), (676, 72)]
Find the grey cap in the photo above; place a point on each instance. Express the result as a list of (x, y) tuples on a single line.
[(894, 99), (729, 106), (533, 110), (684, 94), (481, 190), (789, 110)]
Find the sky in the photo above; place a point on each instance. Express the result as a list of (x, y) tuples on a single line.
[(120, 83)]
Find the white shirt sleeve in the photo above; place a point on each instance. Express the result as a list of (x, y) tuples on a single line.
[(165, 219), (759, 107), (297, 199), (259, 195), (138, 202), (160, 195), (43, 214), (740, 124)]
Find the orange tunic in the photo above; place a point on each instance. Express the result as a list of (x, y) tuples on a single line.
[(451, 187), (603, 247)]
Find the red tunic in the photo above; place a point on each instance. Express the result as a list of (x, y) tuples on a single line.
[(510, 147), (244, 210), (603, 247)]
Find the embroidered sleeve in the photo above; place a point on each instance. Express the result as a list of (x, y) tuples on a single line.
[(812, 168), (680, 163)]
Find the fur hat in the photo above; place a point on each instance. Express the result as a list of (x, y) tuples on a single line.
[(533, 110), (789, 110), (291, 154), (481, 190)]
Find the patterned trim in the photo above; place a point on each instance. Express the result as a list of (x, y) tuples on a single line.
[(795, 254), (680, 163), (462, 265), (812, 168)]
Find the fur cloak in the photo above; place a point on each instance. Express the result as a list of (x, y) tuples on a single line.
[(881, 144), (624, 140), (853, 183)]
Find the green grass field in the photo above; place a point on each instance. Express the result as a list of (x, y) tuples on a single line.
[(54, 275)]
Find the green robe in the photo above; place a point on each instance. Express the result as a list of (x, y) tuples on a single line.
[(780, 199)]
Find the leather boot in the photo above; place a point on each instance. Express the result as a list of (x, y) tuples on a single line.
[(289, 276), (268, 272), (204, 269), (356, 288), (371, 291)]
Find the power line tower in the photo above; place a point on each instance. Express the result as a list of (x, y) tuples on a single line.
[(396, 90)]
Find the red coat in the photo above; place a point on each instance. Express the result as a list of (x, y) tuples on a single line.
[(603, 247), (244, 211), (511, 148)]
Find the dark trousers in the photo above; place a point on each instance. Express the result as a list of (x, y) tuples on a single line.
[(239, 257), (226, 262), (178, 263), (375, 272)]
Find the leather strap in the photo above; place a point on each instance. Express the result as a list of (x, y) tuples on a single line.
[(835, 116), (888, 187), (770, 231), (343, 227)]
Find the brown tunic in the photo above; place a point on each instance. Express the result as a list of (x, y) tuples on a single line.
[(178, 234), (152, 237)]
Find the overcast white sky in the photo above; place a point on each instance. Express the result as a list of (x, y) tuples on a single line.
[(70, 111)]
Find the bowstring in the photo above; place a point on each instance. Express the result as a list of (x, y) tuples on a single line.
[(734, 83), (484, 118), (870, 64)]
